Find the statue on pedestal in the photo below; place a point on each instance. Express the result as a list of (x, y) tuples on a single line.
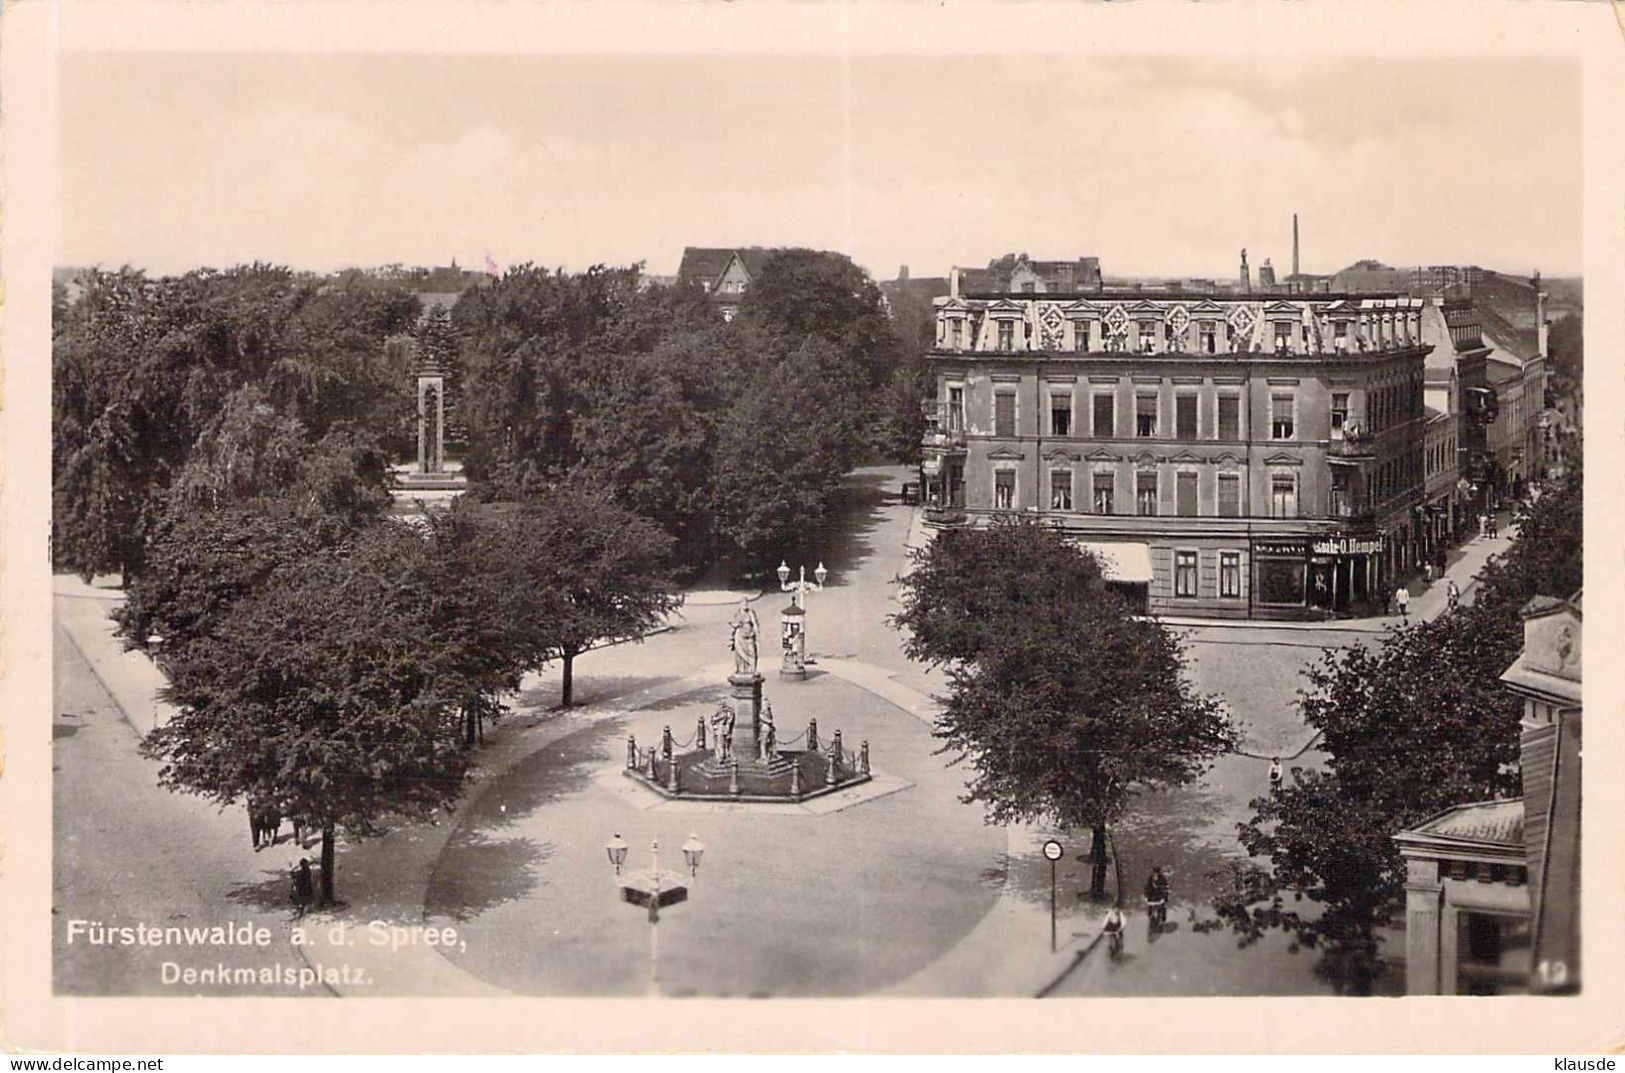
[(722, 728), (769, 735), (743, 640)]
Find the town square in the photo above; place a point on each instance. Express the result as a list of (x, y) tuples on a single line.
[(1191, 608)]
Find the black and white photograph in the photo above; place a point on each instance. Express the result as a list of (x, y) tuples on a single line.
[(825, 522)]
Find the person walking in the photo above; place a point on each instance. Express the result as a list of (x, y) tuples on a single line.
[(303, 886), (1402, 597), (1452, 594), (1277, 777)]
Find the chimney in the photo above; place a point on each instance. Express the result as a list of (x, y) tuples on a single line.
[(902, 273), (1294, 245), (1266, 275), (953, 282), (1541, 325), (1246, 276)]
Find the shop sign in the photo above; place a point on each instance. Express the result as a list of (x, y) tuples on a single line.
[(1348, 546), (1288, 548)]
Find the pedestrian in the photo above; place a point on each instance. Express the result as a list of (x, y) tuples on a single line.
[(1483, 524), (254, 826), (1387, 599), (303, 886), (1427, 573), (1403, 598), (1277, 777), (1156, 898), (1113, 930), (1452, 595)]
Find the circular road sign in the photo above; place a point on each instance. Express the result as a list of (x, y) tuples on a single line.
[(1052, 850)]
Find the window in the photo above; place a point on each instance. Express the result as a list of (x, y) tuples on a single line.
[(1281, 581), (1145, 494), (1185, 417), (956, 334), (1004, 413), (1283, 496), (1229, 495), (1080, 335), (1207, 336), (1230, 575), (956, 408), (1283, 336), (1281, 417), (1185, 495), (1105, 484), (1004, 489), (1027, 288), (1007, 334), (1185, 573), (1060, 489), (1340, 336), (1340, 413), (1104, 417), (1341, 503), (1148, 336), (1145, 415), (1229, 417), (1060, 413)]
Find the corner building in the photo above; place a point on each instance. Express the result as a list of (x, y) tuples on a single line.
[(1260, 455)]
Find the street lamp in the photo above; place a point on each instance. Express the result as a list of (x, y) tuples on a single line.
[(654, 890), (616, 848), (793, 619), (692, 850)]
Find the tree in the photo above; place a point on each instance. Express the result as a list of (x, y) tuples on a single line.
[(783, 448), (321, 694), (1410, 727), (1064, 703), (581, 569)]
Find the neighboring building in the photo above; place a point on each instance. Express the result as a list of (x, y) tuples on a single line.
[(1492, 889), (1262, 455), (1015, 274), (723, 274), (1369, 275)]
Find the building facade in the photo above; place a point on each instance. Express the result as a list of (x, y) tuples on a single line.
[(1492, 889), (1264, 454)]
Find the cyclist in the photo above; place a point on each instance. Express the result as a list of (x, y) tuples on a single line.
[(1113, 930), (1156, 897)]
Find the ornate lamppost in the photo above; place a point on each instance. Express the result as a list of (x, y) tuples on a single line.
[(654, 890), (793, 619)]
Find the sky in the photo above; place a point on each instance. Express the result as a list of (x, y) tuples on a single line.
[(1158, 166)]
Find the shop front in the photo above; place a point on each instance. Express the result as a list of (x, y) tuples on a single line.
[(1345, 572), (1281, 576)]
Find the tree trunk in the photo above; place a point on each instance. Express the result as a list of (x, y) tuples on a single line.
[(1097, 859), (327, 865), (569, 675), (468, 723)]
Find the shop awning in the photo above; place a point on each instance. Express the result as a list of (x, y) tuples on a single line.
[(1122, 561)]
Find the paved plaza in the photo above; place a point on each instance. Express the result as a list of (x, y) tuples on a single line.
[(907, 891)]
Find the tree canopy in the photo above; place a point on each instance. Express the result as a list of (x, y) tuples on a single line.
[(1064, 704), (1410, 727)]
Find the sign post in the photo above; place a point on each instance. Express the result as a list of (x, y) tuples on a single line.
[(1052, 853)]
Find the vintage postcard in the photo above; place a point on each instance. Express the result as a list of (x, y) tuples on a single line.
[(957, 516)]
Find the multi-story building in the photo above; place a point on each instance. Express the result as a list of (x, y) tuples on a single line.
[(1261, 453), (723, 273)]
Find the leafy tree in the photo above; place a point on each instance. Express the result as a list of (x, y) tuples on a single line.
[(1410, 728), (1065, 704), (580, 569), (323, 694), (783, 448)]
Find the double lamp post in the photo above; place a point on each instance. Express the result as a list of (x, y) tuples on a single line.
[(654, 890)]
